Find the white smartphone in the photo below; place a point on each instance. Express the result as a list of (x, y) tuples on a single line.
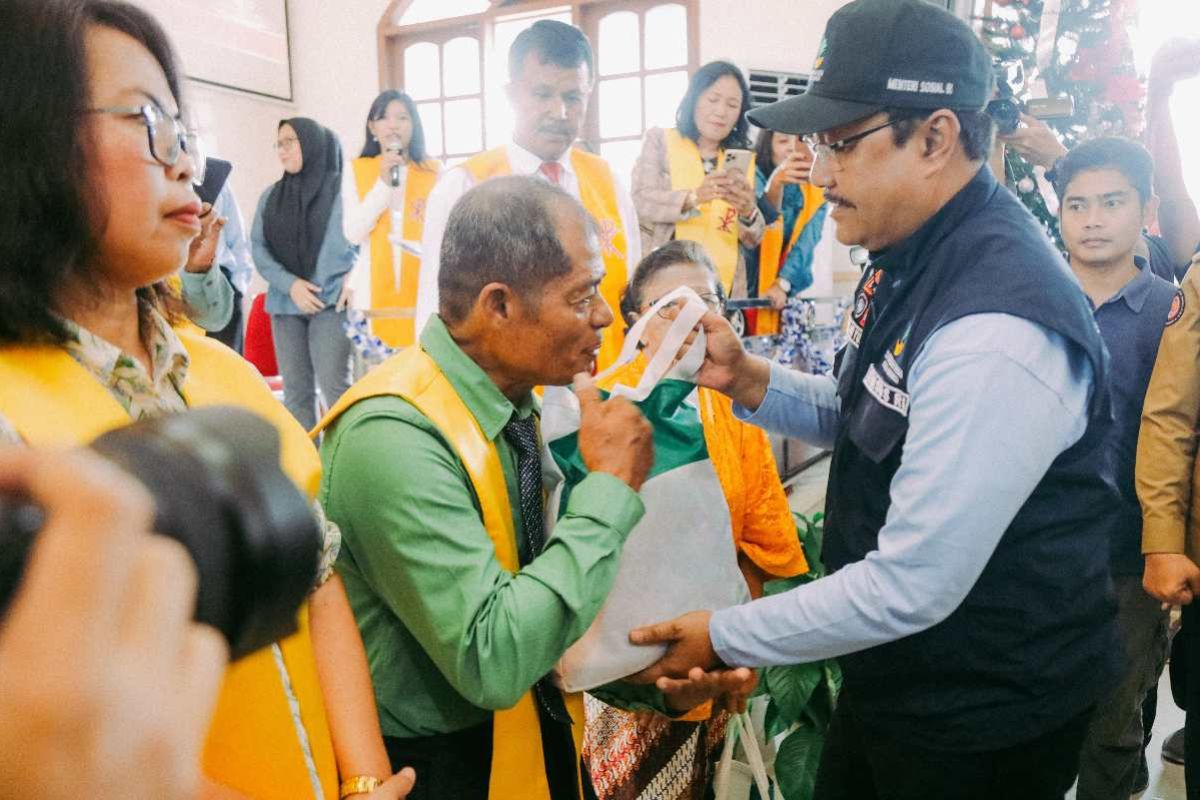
[(738, 161)]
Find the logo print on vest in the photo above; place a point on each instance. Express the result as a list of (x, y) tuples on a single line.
[(416, 209), (862, 307), (726, 224), (888, 395), (1176, 309), (607, 233)]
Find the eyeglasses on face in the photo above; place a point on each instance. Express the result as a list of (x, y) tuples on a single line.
[(710, 299), (832, 152), (167, 136)]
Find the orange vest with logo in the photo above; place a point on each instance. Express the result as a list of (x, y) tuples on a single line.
[(394, 286), (253, 745), (598, 194), (772, 254), (518, 767)]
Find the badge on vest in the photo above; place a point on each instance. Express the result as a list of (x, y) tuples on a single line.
[(889, 396), (857, 321)]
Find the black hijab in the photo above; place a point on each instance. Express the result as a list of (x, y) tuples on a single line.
[(297, 212)]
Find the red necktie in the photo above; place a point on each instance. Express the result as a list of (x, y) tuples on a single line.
[(553, 171)]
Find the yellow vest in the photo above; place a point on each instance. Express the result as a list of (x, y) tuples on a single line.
[(386, 295), (518, 769), (772, 254), (716, 226), (597, 193), (252, 744)]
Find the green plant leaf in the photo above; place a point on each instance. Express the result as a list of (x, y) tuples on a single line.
[(791, 688), (797, 761)]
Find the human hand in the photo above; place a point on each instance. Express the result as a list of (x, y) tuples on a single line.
[(389, 159), (729, 689), (203, 249), (346, 295), (712, 188), (396, 787), (1172, 578), (739, 193), (727, 366), (1177, 59), (777, 296), (1035, 142), (105, 681), (614, 437), (795, 169), (688, 647), (306, 295)]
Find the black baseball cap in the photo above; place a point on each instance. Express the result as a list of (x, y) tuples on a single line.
[(879, 54)]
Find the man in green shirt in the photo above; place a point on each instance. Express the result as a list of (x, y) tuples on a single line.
[(460, 619)]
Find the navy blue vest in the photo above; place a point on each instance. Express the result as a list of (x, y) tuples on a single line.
[(1033, 644)]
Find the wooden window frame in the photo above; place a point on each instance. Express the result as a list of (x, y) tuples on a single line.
[(585, 14)]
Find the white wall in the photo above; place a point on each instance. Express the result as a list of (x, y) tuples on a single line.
[(335, 76)]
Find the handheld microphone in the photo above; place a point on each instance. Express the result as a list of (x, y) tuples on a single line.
[(396, 146)]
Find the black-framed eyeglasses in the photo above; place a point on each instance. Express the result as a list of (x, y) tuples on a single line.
[(710, 299), (832, 151), (167, 136)]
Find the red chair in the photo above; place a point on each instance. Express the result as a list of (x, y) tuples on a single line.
[(259, 348)]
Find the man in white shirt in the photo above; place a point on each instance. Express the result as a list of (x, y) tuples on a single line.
[(551, 69)]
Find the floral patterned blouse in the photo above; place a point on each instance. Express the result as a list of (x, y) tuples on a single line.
[(145, 393)]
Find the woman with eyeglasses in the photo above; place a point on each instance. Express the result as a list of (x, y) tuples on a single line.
[(627, 752), (383, 196), (681, 187), (782, 264), (301, 251), (98, 211)]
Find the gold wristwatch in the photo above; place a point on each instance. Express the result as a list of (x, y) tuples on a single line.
[(359, 784)]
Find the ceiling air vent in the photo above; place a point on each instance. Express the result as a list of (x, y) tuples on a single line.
[(767, 86)]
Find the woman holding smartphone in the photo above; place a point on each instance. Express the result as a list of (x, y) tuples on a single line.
[(694, 181), (783, 263), (383, 197)]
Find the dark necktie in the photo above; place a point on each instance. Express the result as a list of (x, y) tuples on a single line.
[(522, 434)]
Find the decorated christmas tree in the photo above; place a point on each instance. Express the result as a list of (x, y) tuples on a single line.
[(1066, 48)]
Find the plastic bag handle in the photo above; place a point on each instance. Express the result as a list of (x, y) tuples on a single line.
[(693, 309)]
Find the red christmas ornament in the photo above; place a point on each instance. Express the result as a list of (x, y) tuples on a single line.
[(1017, 32)]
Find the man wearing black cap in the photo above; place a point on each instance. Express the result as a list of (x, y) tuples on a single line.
[(971, 604)]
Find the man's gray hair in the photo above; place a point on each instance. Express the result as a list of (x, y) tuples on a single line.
[(504, 230)]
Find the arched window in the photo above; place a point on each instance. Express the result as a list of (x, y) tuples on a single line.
[(451, 56)]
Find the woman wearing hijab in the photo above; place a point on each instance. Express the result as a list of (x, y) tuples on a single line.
[(300, 250)]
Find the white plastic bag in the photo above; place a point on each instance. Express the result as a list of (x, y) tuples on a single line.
[(681, 556)]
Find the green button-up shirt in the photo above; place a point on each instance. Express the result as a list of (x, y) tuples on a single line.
[(450, 634)]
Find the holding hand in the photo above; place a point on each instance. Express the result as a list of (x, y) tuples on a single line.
[(306, 295), (346, 295), (739, 193), (712, 188), (106, 684), (203, 249), (688, 647), (795, 169), (1035, 142), (614, 437), (777, 296)]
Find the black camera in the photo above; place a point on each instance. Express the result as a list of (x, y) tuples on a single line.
[(1005, 109), (215, 477)]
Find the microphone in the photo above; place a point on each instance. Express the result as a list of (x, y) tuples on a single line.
[(396, 146)]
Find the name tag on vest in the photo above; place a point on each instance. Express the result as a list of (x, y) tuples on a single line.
[(890, 396)]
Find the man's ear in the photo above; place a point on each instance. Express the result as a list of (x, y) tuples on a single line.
[(939, 137), (1150, 211), (495, 303)]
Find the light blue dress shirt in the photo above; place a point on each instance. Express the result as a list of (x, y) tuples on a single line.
[(995, 399)]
